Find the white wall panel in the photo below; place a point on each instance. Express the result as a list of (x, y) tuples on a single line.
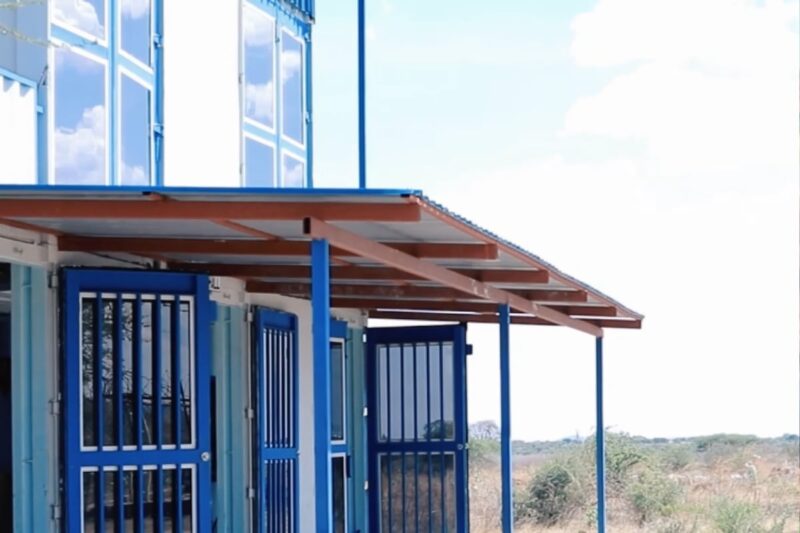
[(17, 133), (201, 94)]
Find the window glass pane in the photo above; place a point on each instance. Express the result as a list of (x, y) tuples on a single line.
[(409, 393), (337, 392), (107, 362), (89, 502), (167, 433), (87, 369), (135, 22), (80, 119), (135, 133), (395, 393), (423, 411), (148, 422), (292, 86), (149, 498), (449, 391), (128, 375), (294, 172), (187, 409), (259, 164), (85, 15), (339, 492), (187, 501), (259, 66)]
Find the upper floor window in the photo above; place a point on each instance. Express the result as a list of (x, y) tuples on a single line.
[(102, 94), (274, 97)]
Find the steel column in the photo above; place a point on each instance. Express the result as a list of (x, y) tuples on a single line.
[(320, 309), (362, 97), (505, 420), (600, 437)]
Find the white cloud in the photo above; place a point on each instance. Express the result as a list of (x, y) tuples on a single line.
[(134, 175), (293, 173), (291, 61), (259, 101), (259, 30), (710, 89), (80, 14), (136, 8), (80, 153)]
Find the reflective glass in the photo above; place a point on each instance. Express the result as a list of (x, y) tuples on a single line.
[(134, 133), (135, 26), (339, 492), (423, 411), (292, 86), (167, 430), (148, 399), (187, 409), (259, 164), (90, 502), (294, 172), (149, 499), (88, 16), (259, 66), (107, 366), (128, 376), (87, 370), (80, 119), (337, 391)]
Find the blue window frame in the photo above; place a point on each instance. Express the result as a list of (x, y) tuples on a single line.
[(275, 94), (136, 430), (416, 384), (341, 489), (105, 92)]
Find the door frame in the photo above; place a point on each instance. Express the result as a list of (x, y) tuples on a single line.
[(455, 333), (74, 282)]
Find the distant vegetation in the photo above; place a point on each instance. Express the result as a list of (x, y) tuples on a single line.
[(722, 483)]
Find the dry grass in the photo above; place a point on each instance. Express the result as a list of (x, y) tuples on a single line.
[(752, 488)]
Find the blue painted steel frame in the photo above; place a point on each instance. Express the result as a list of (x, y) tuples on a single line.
[(458, 446), (600, 438), (362, 97), (76, 281), (507, 506), (320, 309)]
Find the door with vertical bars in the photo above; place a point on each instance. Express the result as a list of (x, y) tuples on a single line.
[(417, 424), (135, 388), (275, 369)]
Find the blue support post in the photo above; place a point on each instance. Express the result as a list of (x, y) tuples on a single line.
[(505, 420), (362, 97), (320, 310), (601, 439)]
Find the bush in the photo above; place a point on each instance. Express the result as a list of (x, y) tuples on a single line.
[(552, 495), (622, 454), (675, 457), (732, 516), (653, 495)]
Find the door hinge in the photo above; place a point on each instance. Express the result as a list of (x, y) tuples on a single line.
[(251, 493), (248, 317), (158, 40), (366, 485), (365, 411), (364, 337), (52, 280), (55, 512), (249, 413), (55, 407)]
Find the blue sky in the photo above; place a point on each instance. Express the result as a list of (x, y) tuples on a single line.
[(648, 147)]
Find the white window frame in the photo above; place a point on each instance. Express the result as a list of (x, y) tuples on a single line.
[(51, 116), (249, 136), (303, 84), (122, 71), (127, 55), (250, 6)]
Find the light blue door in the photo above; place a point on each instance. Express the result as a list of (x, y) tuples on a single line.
[(136, 387)]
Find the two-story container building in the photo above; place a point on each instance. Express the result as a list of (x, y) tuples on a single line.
[(184, 318)]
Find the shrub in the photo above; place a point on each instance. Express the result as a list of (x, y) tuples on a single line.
[(676, 457), (732, 516), (552, 495), (652, 495), (622, 454)]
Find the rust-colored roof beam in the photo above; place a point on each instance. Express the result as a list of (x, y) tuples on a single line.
[(206, 210), (134, 245), (396, 304), (492, 319), (430, 271), (358, 272), (303, 290)]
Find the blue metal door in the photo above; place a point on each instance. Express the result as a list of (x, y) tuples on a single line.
[(417, 429), (135, 386), (275, 395)]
